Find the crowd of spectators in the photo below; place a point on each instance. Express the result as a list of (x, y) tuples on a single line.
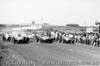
[(82, 38)]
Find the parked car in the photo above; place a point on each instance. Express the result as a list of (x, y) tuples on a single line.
[(6, 36), (67, 39), (17, 36)]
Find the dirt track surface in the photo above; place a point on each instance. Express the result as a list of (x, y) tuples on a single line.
[(55, 54), (37, 54)]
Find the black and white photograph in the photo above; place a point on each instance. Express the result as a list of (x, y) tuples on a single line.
[(49, 32)]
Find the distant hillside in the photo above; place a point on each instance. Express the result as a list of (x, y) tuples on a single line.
[(73, 25), (2, 25), (74, 29)]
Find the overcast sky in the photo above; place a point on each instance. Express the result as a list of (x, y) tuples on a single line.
[(55, 12)]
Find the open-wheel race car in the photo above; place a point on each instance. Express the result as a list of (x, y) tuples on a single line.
[(68, 40), (45, 39), (6, 36), (17, 37)]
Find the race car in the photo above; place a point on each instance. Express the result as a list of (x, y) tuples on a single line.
[(44, 39), (68, 40), (17, 37), (6, 36)]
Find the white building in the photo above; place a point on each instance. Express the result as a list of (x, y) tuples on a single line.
[(28, 27), (92, 29)]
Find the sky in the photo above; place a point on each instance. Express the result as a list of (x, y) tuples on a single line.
[(54, 12)]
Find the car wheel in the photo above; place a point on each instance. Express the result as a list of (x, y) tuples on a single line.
[(14, 41), (3, 38), (27, 40)]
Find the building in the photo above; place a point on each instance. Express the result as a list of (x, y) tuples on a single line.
[(92, 29), (31, 27), (73, 25)]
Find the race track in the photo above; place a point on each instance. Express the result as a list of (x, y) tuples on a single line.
[(55, 54)]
